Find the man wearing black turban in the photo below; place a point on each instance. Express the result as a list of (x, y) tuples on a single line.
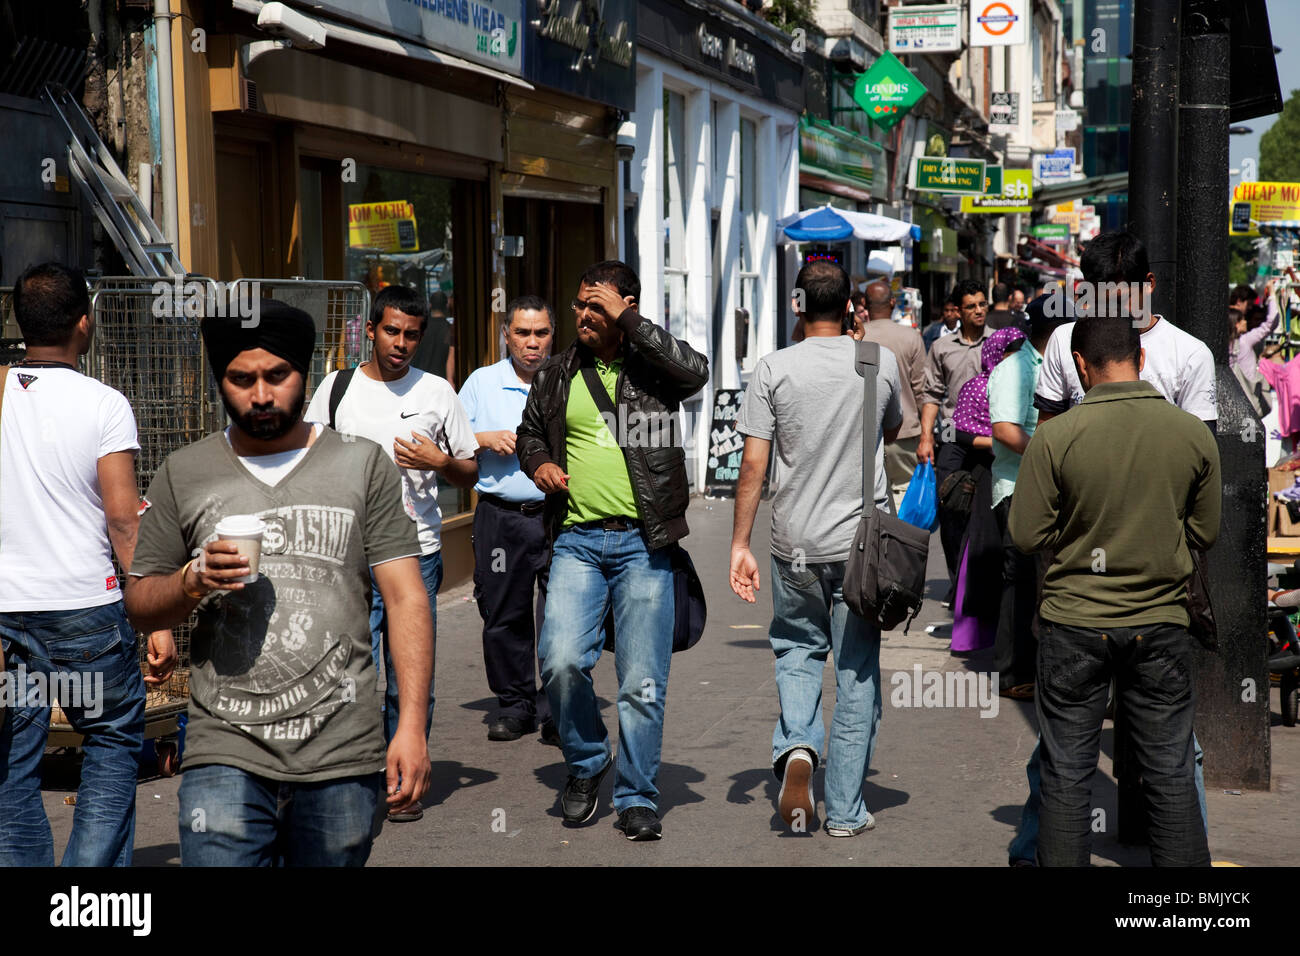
[(281, 330), (281, 647)]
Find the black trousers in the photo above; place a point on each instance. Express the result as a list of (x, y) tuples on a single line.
[(1015, 648), (510, 556), (950, 457), (1155, 691)]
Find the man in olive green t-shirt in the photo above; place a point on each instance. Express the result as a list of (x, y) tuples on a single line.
[(1119, 489)]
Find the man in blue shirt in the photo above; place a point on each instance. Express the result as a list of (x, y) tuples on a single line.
[(510, 550)]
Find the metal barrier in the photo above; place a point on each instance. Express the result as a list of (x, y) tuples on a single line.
[(147, 345)]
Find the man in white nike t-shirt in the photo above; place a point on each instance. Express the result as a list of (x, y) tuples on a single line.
[(417, 417)]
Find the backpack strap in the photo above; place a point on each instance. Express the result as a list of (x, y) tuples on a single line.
[(341, 383)]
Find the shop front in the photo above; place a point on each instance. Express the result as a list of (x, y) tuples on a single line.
[(716, 165), (561, 177), (374, 159), (839, 168)]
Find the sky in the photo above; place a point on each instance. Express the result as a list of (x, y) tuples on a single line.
[(1284, 22)]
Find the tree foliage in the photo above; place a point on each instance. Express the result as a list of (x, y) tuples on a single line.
[(790, 15), (1279, 147)]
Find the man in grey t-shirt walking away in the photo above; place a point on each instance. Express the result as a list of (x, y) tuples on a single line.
[(285, 746), (807, 399)]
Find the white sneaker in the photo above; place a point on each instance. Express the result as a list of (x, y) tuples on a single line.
[(796, 803), (870, 824)]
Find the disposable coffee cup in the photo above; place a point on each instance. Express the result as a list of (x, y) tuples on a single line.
[(246, 531)]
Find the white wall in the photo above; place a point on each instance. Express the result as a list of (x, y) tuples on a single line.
[(712, 180)]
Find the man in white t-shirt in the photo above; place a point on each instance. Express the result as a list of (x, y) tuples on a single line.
[(68, 502), (1178, 364), (416, 416)]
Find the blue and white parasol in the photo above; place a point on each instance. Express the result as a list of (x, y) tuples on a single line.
[(828, 224)]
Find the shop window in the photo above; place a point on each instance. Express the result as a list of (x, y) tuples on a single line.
[(749, 242), (674, 213), (399, 230)]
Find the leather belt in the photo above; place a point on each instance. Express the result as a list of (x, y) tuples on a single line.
[(621, 523), (523, 507)]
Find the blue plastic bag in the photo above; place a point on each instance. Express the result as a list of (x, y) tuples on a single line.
[(920, 505)]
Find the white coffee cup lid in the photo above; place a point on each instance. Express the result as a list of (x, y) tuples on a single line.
[(241, 524)]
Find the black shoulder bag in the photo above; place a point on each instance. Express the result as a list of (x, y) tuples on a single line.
[(885, 578)]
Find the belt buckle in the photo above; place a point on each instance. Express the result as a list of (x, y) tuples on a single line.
[(613, 524)]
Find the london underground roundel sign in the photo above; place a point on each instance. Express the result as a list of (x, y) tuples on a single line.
[(997, 22)]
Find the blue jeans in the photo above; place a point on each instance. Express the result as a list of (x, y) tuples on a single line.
[(95, 648), (1025, 845), (809, 620), (590, 569), (230, 817), (431, 571)]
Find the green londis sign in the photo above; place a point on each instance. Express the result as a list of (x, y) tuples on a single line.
[(937, 174), (887, 91)]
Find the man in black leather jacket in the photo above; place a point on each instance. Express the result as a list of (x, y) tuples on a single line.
[(599, 435)]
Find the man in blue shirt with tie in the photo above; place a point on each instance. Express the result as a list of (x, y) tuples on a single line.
[(510, 549)]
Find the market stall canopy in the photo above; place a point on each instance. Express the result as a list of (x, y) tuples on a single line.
[(828, 224), (1281, 229)]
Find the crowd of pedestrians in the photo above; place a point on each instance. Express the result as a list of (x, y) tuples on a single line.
[(290, 756)]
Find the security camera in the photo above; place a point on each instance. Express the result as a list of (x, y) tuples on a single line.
[(625, 141), (303, 32)]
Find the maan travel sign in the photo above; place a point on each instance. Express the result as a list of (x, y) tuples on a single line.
[(887, 91)]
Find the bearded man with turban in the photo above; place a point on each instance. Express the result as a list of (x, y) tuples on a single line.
[(285, 759)]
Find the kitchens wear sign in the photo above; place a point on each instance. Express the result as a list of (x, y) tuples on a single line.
[(483, 31)]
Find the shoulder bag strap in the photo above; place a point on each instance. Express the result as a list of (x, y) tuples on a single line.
[(868, 362), (340, 386), (601, 398)]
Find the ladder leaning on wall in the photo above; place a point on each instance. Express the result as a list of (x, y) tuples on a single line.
[(119, 210)]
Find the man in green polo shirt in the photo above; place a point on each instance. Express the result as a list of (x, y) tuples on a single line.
[(598, 436), (1118, 489)]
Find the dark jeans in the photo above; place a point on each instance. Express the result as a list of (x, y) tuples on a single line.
[(510, 556), (1015, 648), (230, 817), (1153, 676), (431, 573)]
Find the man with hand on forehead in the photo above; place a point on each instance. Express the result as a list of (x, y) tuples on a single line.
[(284, 747), (614, 505)]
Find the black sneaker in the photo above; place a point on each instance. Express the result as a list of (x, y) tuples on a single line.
[(550, 734), (581, 795), (509, 728), (640, 823)]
